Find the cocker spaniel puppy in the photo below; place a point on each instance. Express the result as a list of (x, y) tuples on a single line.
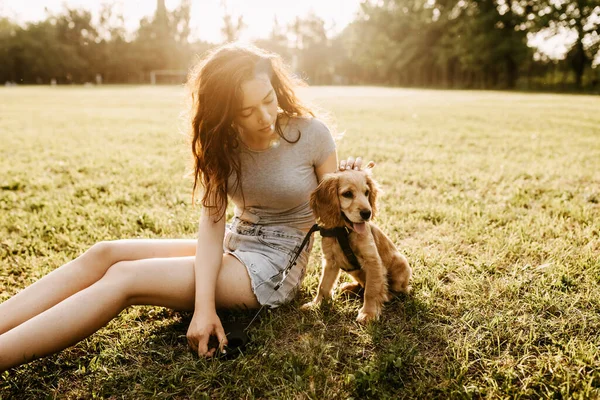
[(344, 204)]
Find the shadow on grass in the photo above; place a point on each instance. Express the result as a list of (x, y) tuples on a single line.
[(320, 354), (404, 355)]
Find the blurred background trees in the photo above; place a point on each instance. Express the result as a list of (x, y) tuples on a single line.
[(420, 43)]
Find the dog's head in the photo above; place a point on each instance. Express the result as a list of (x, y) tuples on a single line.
[(345, 198)]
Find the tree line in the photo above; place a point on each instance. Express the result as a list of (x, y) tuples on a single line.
[(419, 43)]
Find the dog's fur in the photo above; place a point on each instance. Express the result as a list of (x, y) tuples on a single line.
[(383, 267)]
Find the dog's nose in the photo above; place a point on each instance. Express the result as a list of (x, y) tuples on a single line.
[(366, 214)]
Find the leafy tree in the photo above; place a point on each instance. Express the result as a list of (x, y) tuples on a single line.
[(77, 36), (312, 48), (162, 41), (8, 37), (448, 43), (581, 17), (277, 42), (232, 27), (476, 43)]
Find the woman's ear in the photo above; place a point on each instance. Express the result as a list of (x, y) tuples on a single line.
[(325, 203), (373, 192)]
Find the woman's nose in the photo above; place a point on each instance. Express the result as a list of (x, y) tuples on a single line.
[(263, 117)]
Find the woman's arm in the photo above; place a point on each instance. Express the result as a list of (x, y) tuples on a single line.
[(209, 256), (328, 166)]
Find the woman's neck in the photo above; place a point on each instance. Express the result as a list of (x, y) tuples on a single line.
[(260, 144)]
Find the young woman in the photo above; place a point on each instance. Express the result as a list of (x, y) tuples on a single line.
[(254, 143)]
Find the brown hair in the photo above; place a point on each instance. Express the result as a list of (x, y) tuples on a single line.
[(215, 85)]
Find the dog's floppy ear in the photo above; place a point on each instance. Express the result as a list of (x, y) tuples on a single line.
[(373, 192), (325, 202)]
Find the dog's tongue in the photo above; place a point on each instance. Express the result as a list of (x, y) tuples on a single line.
[(360, 228)]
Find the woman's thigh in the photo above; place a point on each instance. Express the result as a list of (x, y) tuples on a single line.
[(170, 282), (137, 249)]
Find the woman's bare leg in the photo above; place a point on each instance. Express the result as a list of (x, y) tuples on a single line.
[(167, 282), (84, 271)]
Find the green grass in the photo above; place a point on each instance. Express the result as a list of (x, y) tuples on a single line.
[(494, 197)]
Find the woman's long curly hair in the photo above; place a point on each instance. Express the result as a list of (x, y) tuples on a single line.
[(215, 86)]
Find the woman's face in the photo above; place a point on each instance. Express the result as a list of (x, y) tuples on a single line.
[(258, 112)]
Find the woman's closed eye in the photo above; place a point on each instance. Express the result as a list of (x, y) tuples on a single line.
[(248, 113)]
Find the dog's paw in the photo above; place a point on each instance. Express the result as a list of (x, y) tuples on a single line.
[(387, 296), (311, 305), (401, 287), (364, 317), (350, 287)]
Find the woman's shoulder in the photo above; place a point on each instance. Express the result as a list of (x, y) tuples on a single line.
[(314, 137), (309, 124)]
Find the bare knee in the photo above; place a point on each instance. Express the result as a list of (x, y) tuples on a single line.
[(96, 260), (100, 250), (120, 277)]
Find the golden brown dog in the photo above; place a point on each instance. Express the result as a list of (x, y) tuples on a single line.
[(348, 199)]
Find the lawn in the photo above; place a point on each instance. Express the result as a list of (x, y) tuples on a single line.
[(494, 197)]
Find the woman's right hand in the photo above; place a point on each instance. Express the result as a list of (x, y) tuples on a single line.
[(203, 326), (351, 163)]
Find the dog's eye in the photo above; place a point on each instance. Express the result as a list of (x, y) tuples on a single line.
[(348, 194), (367, 193)]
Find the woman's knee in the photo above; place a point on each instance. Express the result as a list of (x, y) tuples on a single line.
[(97, 259), (107, 252), (101, 250), (121, 278)]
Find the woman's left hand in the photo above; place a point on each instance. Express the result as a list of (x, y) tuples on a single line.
[(351, 163)]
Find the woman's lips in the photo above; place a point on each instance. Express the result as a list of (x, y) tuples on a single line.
[(267, 129)]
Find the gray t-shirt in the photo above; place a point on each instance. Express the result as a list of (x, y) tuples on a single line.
[(277, 182)]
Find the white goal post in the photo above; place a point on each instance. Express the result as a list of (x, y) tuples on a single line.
[(171, 73)]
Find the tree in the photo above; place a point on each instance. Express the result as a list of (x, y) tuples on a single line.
[(162, 41), (232, 28), (312, 48), (277, 42), (489, 42), (403, 36), (475, 43), (8, 37), (581, 17)]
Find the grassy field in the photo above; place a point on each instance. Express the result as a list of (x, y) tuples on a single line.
[(494, 197)]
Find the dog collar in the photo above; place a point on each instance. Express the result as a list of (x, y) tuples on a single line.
[(341, 234)]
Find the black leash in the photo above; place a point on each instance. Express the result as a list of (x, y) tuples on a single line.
[(292, 262), (287, 269)]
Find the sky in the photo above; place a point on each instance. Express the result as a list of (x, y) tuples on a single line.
[(206, 15)]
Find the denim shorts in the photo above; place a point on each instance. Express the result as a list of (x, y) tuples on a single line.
[(266, 251)]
